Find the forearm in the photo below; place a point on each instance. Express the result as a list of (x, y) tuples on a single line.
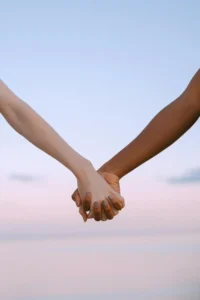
[(167, 127), (36, 130)]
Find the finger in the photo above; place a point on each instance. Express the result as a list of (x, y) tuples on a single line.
[(73, 195), (115, 211), (76, 197), (103, 215), (87, 201), (107, 209), (97, 211), (90, 215), (83, 214), (120, 198), (116, 202)]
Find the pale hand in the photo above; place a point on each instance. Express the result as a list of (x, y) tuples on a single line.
[(112, 187)]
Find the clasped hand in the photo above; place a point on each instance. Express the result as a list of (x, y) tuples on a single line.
[(98, 195)]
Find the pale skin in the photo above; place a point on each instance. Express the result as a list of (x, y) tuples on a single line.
[(36, 130), (165, 128)]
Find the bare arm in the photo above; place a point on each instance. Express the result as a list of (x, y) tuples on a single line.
[(36, 130), (166, 127)]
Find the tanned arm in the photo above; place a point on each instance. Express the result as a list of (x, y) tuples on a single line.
[(165, 128)]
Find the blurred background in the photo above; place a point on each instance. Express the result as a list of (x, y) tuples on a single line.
[(99, 69)]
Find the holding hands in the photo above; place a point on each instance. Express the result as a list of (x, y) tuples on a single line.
[(99, 198), (98, 194)]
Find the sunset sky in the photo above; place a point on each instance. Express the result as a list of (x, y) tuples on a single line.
[(98, 72)]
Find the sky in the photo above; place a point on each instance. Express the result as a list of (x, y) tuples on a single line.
[(98, 72)]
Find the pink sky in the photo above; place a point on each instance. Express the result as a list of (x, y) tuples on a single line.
[(149, 205)]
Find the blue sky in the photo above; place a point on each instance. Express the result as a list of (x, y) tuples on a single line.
[(102, 67), (98, 68)]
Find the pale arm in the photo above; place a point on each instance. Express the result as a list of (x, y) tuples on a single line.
[(36, 130)]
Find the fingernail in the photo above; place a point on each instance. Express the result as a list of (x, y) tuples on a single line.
[(110, 197), (118, 206), (105, 203), (96, 204)]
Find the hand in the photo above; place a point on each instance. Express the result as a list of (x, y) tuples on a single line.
[(103, 202), (113, 181)]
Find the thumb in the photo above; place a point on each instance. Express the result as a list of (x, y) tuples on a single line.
[(76, 198), (83, 214), (90, 215)]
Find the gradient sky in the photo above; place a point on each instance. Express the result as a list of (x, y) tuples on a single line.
[(98, 71)]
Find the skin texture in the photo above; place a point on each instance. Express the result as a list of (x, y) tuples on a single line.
[(110, 203), (30, 125), (113, 181), (164, 129)]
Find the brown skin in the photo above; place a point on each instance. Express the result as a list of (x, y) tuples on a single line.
[(165, 128), (113, 181)]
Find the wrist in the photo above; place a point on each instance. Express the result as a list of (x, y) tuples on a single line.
[(82, 168), (110, 168)]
